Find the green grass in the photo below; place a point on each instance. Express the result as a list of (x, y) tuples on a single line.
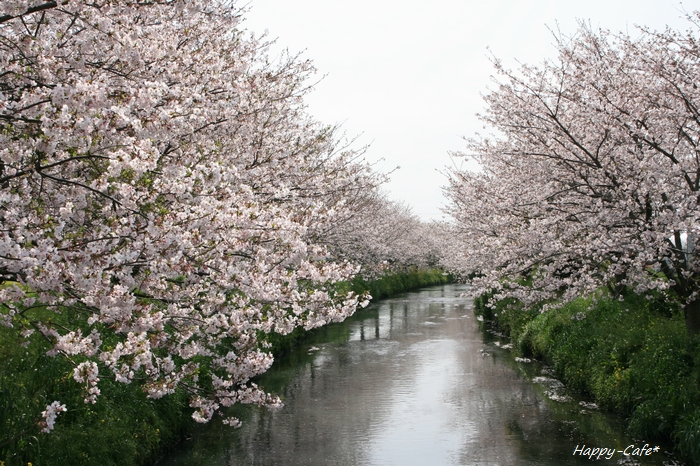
[(393, 284), (122, 428), (633, 357)]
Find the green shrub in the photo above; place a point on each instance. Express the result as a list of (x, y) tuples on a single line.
[(395, 283), (122, 428), (687, 435)]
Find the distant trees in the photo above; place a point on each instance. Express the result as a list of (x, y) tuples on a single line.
[(383, 236), (163, 196), (593, 175)]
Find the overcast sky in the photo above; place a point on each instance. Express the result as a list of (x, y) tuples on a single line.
[(407, 76)]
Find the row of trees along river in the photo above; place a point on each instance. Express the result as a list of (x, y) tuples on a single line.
[(167, 205)]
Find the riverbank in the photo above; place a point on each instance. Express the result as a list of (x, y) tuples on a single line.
[(633, 357), (123, 427)]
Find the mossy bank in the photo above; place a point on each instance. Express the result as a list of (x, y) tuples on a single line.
[(632, 356)]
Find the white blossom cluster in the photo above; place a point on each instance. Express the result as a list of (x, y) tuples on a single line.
[(49, 416), (159, 176)]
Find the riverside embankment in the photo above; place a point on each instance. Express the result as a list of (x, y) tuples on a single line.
[(631, 355)]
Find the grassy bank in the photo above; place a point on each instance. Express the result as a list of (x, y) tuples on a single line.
[(633, 357), (394, 284), (123, 427)]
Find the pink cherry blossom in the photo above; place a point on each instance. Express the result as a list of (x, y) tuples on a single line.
[(159, 176), (49, 416), (591, 177)]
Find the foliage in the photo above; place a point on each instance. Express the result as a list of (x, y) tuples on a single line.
[(124, 428), (687, 434), (392, 284), (592, 175), (385, 238), (508, 313)]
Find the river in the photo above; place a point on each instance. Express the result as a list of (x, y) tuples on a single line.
[(415, 380)]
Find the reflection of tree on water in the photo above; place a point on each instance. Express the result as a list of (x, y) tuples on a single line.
[(336, 407)]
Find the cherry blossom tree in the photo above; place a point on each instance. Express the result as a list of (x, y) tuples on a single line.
[(162, 185), (592, 176), (382, 236)]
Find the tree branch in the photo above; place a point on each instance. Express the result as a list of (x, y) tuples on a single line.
[(33, 9)]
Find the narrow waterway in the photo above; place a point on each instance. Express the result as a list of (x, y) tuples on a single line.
[(414, 380)]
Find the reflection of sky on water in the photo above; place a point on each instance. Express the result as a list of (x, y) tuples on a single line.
[(409, 381)]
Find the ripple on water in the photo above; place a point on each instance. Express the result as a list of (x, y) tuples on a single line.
[(380, 347)]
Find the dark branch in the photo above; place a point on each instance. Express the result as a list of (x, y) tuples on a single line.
[(34, 9)]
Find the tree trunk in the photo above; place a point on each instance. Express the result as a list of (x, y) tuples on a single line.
[(692, 318)]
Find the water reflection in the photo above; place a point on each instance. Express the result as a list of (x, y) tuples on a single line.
[(409, 381)]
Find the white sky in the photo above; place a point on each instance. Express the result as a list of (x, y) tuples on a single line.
[(407, 76)]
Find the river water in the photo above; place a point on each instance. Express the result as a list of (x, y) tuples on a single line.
[(414, 380)]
